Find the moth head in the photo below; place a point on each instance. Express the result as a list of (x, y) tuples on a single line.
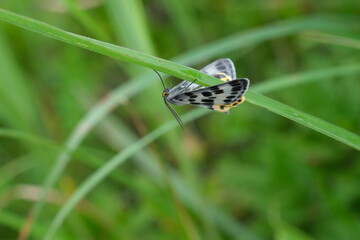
[(165, 93)]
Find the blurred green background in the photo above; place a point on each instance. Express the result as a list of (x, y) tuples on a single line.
[(248, 175)]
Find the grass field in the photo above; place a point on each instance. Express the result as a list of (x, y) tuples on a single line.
[(88, 149)]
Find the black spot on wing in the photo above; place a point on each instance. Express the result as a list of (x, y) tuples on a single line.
[(214, 88), (238, 88), (221, 94), (236, 82), (206, 94), (219, 91)]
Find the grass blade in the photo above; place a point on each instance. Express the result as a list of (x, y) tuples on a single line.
[(305, 119), (124, 54), (188, 73), (332, 39), (183, 72), (305, 77), (129, 24), (16, 112), (86, 20), (111, 165)]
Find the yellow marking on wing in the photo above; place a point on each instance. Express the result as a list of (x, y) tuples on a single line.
[(223, 77), (225, 108), (221, 108)]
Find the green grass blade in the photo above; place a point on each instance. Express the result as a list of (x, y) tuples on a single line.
[(332, 39), (182, 14), (211, 50), (145, 60), (172, 68), (124, 54), (111, 165), (129, 24), (272, 31), (304, 77), (13, 221), (15, 111), (305, 119), (257, 99), (86, 20), (222, 220)]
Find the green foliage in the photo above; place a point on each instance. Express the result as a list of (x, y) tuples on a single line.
[(78, 165)]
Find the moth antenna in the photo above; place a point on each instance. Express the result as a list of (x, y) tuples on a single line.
[(178, 119), (190, 84), (172, 80), (162, 81)]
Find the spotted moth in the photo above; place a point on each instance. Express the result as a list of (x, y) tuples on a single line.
[(219, 98)]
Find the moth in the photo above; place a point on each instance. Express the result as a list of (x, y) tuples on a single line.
[(219, 97)]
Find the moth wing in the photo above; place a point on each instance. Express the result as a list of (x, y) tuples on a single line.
[(223, 65), (222, 94), (182, 87)]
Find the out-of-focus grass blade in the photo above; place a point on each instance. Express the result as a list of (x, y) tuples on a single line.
[(177, 70), (26, 137), (110, 165), (304, 77), (17, 104), (183, 15), (208, 213), (124, 54), (332, 39), (272, 105), (271, 31), (13, 221), (305, 119), (286, 231), (129, 24), (172, 68), (130, 27), (87, 21), (11, 170), (257, 99), (41, 142)]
